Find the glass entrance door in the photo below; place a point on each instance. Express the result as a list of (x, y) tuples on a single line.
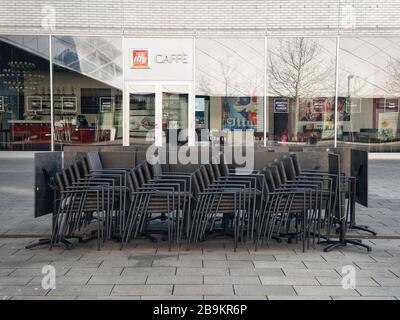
[(175, 108), (142, 108), (158, 112)]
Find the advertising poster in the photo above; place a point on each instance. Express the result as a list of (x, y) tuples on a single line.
[(312, 109), (387, 125), (200, 107), (343, 114), (239, 113), (323, 109)]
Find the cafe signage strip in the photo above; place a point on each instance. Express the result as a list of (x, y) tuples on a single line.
[(141, 58)]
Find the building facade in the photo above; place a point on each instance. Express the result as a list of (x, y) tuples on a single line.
[(323, 73)]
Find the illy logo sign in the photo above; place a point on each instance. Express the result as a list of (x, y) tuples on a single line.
[(140, 58)]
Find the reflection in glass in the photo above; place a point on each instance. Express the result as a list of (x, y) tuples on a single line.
[(301, 90), (87, 90), (230, 73), (369, 82), (175, 105), (24, 93)]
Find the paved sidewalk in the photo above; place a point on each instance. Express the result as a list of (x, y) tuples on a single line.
[(210, 270)]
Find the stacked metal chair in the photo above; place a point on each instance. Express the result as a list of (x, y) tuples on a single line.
[(221, 196), (153, 192), (82, 200), (283, 203)]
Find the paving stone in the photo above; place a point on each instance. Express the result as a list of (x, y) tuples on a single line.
[(16, 281), (251, 257), (63, 281), (261, 297), (12, 290), (278, 290), (256, 271), (6, 271), (310, 272), (337, 281), (179, 263), (88, 297), (280, 264), (142, 290), (231, 280), (299, 297), (324, 291), (181, 279), (202, 271), (379, 291), (203, 290), (150, 270), (27, 272), (101, 279), (387, 281), (230, 264), (93, 290), (364, 298), (171, 297), (291, 280), (44, 298), (76, 272)]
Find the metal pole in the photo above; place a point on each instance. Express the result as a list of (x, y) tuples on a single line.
[(265, 91), (51, 95), (125, 100), (336, 88)]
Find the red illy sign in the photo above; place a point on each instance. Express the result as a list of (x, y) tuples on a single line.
[(140, 59)]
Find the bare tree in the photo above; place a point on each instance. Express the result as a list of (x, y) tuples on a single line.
[(297, 70), (393, 83), (228, 72)]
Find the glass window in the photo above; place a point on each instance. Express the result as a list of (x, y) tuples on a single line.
[(301, 90), (230, 86), (24, 93), (369, 89), (87, 90)]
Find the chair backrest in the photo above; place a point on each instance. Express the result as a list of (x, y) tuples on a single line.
[(140, 175), (93, 159), (217, 170), (66, 177), (224, 169), (85, 165), (211, 172), (289, 167), (296, 163), (200, 180), (147, 171), (59, 181), (196, 184), (281, 170), (78, 169), (270, 183), (275, 176), (205, 176), (133, 181)]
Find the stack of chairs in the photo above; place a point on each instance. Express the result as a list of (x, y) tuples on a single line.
[(153, 192), (280, 201), (220, 195)]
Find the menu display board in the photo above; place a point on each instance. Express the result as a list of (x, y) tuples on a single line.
[(391, 105), (281, 105), (34, 103)]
